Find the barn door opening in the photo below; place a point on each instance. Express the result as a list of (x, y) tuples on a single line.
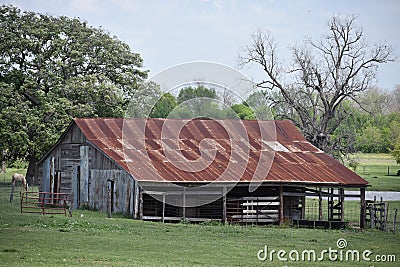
[(110, 195)]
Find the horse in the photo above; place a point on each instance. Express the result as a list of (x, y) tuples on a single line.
[(19, 178)]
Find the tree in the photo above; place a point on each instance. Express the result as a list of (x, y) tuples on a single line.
[(196, 92), (370, 140), (164, 106), (200, 101), (394, 97), (257, 101), (396, 153), (322, 76), (53, 69), (244, 112)]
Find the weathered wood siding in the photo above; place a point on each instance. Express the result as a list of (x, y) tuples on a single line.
[(84, 173), (122, 193)]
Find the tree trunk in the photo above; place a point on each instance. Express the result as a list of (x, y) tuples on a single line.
[(30, 173)]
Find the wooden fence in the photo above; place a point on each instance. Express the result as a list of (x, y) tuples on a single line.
[(253, 210), (44, 202), (379, 216)]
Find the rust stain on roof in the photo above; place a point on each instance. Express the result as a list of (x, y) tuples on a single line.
[(168, 150)]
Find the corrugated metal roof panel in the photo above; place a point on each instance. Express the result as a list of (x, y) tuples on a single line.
[(167, 150)]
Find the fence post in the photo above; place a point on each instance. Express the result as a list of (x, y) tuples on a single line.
[(363, 208), (21, 196), (371, 216), (394, 221), (43, 201), (385, 205), (12, 193)]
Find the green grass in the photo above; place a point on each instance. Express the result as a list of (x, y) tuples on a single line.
[(90, 239), (374, 169)]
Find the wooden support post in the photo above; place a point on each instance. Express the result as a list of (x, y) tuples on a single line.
[(280, 204), (320, 205), (341, 199), (224, 205), (330, 204), (163, 207), (394, 221), (136, 201), (140, 204), (363, 208), (184, 204), (303, 207)]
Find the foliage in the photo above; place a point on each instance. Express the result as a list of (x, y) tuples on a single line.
[(197, 101), (143, 101), (200, 91), (396, 153), (53, 69), (164, 106), (244, 112)]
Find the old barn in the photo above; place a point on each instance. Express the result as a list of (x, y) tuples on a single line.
[(169, 170)]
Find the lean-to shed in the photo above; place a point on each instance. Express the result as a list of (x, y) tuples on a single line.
[(199, 169)]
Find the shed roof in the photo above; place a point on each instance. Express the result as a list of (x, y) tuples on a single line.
[(201, 150)]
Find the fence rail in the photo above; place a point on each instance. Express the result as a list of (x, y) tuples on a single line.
[(43, 202)]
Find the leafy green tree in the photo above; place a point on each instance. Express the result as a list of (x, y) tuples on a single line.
[(53, 69), (195, 92), (200, 101), (370, 140), (244, 112), (396, 153), (164, 106)]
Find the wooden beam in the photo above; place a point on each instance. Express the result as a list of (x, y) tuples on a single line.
[(140, 204), (330, 205), (303, 207), (136, 201), (280, 204), (184, 203), (363, 208), (163, 208), (341, 199), (320, 205), (224, 205)]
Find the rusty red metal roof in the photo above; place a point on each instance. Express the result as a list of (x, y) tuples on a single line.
[(202, 150)]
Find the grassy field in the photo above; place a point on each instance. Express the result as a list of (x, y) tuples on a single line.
[(374, 169), (89, 238)]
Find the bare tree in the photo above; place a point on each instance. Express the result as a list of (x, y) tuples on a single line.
[(322, 76), (394, 105)]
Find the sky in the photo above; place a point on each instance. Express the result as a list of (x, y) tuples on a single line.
[(168, 33)]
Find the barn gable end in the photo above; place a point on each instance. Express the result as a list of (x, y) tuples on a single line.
[(78, 168)]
